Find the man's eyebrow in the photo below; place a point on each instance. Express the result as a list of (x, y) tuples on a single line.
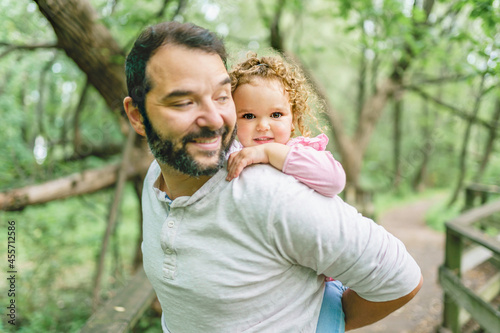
[(177, 93), (182, 93), (226, 80)]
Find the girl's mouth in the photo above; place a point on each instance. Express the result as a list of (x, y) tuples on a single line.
[(264, 139)]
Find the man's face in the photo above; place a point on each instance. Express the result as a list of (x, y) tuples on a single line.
[(191, 115)]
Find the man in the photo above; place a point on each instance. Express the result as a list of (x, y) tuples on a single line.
[(250, 254)]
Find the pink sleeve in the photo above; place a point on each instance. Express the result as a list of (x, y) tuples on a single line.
[(317, 169)]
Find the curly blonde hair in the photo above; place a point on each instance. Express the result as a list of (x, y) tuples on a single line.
[(291, 77)]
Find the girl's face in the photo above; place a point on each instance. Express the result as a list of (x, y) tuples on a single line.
[(263, 113)]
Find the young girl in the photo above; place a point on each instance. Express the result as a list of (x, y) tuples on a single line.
[(271, 102)]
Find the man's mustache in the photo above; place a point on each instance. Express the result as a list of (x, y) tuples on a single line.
[(205, 133)]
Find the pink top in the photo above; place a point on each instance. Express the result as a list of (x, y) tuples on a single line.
[(309, 163)]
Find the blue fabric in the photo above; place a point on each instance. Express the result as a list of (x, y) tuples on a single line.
[(331, 316)]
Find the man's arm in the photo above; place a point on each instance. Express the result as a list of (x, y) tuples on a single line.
[(360, 312)]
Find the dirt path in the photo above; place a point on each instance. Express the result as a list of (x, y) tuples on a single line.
[(423, 313)]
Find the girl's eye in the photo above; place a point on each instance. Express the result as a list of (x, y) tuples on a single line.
[(248, 116), (276, 115)]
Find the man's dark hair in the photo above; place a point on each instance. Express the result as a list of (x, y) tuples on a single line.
[(173, 33)]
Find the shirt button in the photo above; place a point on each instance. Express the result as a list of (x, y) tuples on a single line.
[(170, 224)]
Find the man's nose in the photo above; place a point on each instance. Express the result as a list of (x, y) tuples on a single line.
[(210, 116)]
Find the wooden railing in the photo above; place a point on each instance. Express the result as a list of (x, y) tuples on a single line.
[(474, 191), (120, 313), (467, 246)]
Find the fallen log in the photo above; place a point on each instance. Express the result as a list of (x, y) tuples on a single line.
[(84, 182)]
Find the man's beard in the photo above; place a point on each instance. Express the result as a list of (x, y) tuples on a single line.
[(180, 159)]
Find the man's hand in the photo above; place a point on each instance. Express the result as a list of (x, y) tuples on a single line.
[(243, 158)]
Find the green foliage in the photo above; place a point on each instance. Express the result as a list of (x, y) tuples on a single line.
[(441, 213), (149, 323), (57, 247)]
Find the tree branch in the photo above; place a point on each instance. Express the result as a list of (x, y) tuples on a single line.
[(161, 12), (40, 108), (276, 37), (456, 111), (77, 139), (495, 121), (438, 80), (180, 7), (83, 151), (28, 47)]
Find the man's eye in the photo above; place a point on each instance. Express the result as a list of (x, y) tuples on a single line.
[(223, 99), (276, 115), (182, 104), (248, 116)]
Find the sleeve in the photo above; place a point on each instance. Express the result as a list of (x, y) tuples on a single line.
[(316, 168), (235, 146), (332, 238)]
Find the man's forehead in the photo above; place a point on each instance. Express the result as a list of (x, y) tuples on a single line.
[(177, 58), (175, 67)]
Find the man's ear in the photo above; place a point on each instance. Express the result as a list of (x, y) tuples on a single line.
[(134, 116)]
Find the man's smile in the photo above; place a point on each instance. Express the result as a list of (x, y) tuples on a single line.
[(207, 143)]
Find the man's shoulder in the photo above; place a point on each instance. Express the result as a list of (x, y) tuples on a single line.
[(263, 180), (264, 174), (153, 171)]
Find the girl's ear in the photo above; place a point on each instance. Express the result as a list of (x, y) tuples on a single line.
[(134, 115)]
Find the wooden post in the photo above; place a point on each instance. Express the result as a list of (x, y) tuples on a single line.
[(469, 198), (453, 258)]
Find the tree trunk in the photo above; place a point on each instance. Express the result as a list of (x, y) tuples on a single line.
[(418, 180), (397, 141), (465, 143), (91, 46), (495, 122)]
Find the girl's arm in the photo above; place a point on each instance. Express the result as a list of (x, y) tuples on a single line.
[(317, 169), (269, 153)]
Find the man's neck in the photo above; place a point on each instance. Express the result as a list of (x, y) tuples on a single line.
[(177, 184)]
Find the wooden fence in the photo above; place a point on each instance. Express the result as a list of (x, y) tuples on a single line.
[(471, 240), (476, 191)]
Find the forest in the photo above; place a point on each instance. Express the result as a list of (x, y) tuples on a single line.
[(408, 93)]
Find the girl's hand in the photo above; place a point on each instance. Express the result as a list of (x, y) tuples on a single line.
[(247, 156)]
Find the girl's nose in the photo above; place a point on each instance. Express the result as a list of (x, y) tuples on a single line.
[(263, 125)]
